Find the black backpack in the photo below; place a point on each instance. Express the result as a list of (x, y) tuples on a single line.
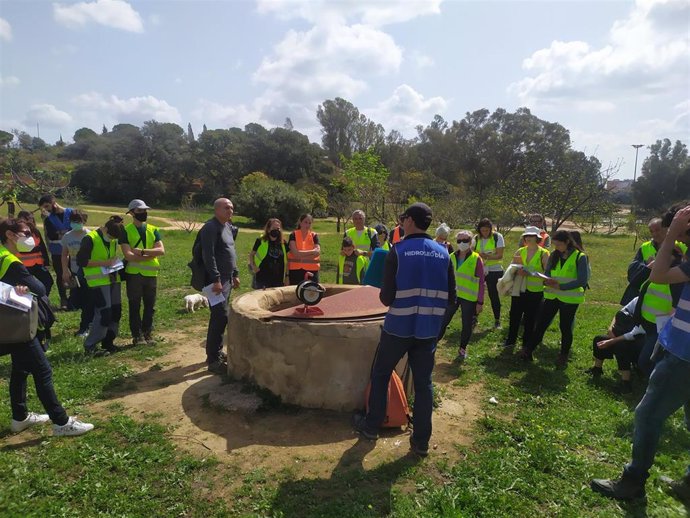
[(198, 280)]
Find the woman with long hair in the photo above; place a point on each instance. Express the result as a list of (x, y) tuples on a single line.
[(37, 259), (564, 291), (28, 358), (268, 258), (490, 244), (304, 251)]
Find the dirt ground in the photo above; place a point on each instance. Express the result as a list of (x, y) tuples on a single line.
[(207, 414)]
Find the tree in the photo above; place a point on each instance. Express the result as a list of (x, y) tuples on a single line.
[(664, 177), (6, 138), (367, 179), (261, 197), (190, 133)]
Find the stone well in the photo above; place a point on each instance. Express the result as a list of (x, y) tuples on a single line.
[(319, 362)]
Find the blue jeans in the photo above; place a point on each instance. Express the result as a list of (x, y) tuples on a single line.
[(30, 359), (420, 353), (667, 391)]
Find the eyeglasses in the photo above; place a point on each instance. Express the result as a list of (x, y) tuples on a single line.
[(403, 217), (24, 233), (464, 241)]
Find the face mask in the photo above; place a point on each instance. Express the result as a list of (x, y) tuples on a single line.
[(106, 238), (77, 226), (140, 216), (26, 244), (464, 247), (275, 233)]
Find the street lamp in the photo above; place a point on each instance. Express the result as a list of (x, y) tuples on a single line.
[(637, 148)]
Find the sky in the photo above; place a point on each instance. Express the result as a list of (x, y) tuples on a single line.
[(614, 73)]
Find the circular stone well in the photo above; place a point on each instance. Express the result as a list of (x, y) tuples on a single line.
[(320, 361)]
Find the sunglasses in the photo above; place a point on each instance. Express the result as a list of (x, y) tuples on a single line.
[(24, 233), (464, 241)]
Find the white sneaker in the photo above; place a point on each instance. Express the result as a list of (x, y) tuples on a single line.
[(72, 427), (31, 419)]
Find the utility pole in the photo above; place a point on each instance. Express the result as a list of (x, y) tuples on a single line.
[(637, 148), (632, 207)]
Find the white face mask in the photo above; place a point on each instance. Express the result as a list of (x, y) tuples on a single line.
[(464, 247), (25, 244)]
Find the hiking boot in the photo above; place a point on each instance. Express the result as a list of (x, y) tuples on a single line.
[(64, 304), (223, 357), (31, 420), (624, 488), (497, 324), (359, 423), (679, 489), (139, 340), (417, 448), (110, 348), (525, 355), (149, 339), (625, 387), (82, 333), (218, 367), (595, 372), (71, 428), (462, 355), (562, 361)]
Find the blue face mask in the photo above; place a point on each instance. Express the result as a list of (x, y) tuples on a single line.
[(77, 226)]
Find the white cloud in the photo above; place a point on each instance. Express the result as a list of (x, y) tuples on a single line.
[(369, 13), (215, 114), (117, 14), (47, 115), (133, 110), (5, 30), (9, 81), (405, 109), (647, 53), (421, 60)]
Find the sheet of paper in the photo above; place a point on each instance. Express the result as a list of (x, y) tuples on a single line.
[(116, 267), (215, 298), (9, 297)]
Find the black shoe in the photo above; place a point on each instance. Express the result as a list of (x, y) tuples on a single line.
[(218, 367), (149, 339), (223, 357), (679, 489), (418, 449), (525, 355), (111, 348), (625, 488), (359, 423), (562, 361), (626, 387), (139, 340), (595, 372)]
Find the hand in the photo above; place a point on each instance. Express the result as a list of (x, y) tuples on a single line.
[(66, 278), (680, 224), (21, 290), (522, 272), (111, 261), (553, 283), (650, 264), (479, 308), (217, 287), (255, 268), (235, 282), (605, 344)]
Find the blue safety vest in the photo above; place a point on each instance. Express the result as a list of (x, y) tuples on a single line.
[(421, 296), (675, 336), (62, 225)]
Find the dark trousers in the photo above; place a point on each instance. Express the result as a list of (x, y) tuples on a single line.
[(492, 287), (141, 288), (217, 323), (30, 359), (420, 353), (626, 353), (297, 276), (527, 306), (549, 309), (43, 275), (644, 360), (57, 266), (468, 311), (79, 298)]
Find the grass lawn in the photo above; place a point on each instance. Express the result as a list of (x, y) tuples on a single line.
[(533, 453)]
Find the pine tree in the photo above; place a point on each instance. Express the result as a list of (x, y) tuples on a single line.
[(190, 133)]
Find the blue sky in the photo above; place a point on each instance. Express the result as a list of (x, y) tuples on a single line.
[(613, 73)]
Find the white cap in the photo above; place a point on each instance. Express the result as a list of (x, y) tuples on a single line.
[(136, 204), (531, 231)]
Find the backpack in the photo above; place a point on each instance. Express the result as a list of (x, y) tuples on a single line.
[(198, 280), (397, 409)]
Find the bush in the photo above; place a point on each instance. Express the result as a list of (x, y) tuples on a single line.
[(261, 197)]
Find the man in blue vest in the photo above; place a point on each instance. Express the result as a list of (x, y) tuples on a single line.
[(56, 224), (418, 285), (668, 388)]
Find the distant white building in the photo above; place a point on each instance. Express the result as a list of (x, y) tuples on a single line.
[(619, 186)]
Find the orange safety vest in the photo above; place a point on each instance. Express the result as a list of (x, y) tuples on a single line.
[(542, 238), (396, 235), (33, 258), (307, 243)]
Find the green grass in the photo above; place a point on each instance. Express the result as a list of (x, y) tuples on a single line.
[(533, 454)]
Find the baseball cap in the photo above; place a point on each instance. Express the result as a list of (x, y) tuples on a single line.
[(136, 204), (531, 231), (420, 214)]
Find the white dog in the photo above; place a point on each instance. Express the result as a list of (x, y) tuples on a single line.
[(195, 301)]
